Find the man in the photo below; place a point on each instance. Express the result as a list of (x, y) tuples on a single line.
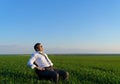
[(44, 67)]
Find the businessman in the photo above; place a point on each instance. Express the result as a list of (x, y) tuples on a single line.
[(44, 67)]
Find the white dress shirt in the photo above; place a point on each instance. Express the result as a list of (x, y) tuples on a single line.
[(40, 60)]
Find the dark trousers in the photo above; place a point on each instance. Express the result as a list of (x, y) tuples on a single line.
[(52, 74)]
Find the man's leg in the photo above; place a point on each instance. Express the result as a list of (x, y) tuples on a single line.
[(47, 74), (63, 74)]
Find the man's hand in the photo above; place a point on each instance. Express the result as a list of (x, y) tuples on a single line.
[(39, 68)]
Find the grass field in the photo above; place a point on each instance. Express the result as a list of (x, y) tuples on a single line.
[(83, 69)]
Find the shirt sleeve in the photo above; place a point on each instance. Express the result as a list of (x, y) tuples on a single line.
[(31, 61)]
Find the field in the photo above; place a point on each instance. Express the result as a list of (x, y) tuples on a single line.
[(83, 69)]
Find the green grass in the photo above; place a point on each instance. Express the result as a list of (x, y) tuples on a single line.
[(83, 69)]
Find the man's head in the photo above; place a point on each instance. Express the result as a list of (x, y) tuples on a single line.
[(38, 47)]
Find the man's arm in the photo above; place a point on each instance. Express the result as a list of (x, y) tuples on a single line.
[(31, 63), (37, 67)]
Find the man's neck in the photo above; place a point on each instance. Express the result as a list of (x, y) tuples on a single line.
[(40, 51)]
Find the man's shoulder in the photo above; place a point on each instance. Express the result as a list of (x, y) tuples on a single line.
[(35, 53)]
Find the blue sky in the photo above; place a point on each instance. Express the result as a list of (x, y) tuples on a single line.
[(62, 26)]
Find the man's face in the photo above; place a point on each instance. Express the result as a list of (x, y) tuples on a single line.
[(40, 47)]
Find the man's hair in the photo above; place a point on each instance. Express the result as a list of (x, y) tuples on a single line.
[(35, 46)]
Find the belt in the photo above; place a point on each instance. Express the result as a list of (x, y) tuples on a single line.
[(49, 68)]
